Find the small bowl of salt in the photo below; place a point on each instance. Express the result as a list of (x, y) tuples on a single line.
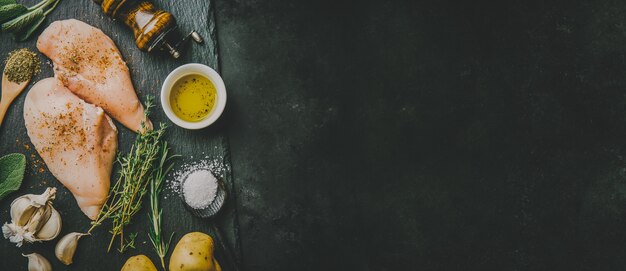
[(203, 194)]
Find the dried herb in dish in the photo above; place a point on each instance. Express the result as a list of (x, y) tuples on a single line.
[(21, 65)]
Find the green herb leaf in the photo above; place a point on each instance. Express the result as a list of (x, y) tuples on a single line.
[(136, 170), (156, 212), (56, 2), (22, 22), (22, 36), (12, 169), (11, 11), (7, 2), (24, 26), (40, 4)]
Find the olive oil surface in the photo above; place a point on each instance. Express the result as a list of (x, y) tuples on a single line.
[(193, 97)]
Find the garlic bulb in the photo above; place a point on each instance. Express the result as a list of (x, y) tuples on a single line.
[(36, 262), (23, 207), (66, 247), (33, 219)]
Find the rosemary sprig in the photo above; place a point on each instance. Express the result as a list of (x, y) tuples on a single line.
[(156, 213), (125, 197)]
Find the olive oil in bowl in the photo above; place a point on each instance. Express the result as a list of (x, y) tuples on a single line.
[(193, 97)]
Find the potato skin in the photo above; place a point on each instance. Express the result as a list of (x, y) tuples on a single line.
[(194, 252), (139, 263)]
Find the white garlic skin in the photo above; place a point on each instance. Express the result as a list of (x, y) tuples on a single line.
[(36, 262), (14, 233), (66, 247)]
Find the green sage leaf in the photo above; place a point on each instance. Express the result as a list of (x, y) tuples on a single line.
[(22, 22), (12, 169), (7, 2), (11, 11), (22, 36)]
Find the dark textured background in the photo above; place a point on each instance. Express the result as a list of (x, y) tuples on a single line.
[(428, 135)]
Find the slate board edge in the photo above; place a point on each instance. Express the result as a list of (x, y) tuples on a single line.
[(229, 175)]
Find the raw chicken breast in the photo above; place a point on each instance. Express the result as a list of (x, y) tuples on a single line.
[(88, 63), (77, 140)]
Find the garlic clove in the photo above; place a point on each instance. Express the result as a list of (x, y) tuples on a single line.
[(36, 262), (66, 247), (22, 210), (39, 218), (51, 228)]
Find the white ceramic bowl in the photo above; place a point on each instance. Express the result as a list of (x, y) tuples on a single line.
[(187, 69)]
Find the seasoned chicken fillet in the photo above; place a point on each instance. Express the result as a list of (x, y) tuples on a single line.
[(77, 140), (89, 64)]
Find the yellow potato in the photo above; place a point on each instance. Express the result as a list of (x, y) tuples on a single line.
[(194, 252), (139, 263)]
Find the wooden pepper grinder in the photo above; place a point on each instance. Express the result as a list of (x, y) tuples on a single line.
[(153, 28)]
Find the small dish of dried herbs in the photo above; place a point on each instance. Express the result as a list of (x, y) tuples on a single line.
[(21, 65)]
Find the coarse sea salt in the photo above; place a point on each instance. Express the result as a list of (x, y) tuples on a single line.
[(215, 166), (200, 188)]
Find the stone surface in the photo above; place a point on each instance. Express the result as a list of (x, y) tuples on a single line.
[(427, 135)]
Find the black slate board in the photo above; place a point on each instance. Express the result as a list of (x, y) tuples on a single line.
[(148, 72)]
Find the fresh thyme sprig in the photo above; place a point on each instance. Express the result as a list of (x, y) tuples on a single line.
[(136, 171), (156, 213)]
